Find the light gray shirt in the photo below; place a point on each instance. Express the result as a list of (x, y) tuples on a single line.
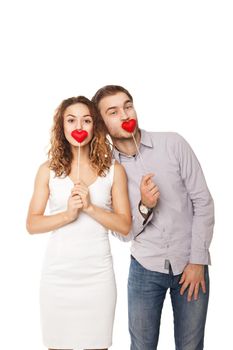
[(180, 228)]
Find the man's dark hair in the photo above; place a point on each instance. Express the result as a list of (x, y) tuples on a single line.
[(109, 90)]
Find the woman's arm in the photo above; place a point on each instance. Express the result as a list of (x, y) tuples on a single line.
[(37, 222), (119, 219)]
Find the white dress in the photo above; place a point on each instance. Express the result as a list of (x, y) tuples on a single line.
[(78, 289)]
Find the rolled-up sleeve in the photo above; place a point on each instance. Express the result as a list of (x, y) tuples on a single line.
[(203, 205), (138, 225)]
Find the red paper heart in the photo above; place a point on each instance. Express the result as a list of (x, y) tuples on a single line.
[(79, 135), (129, 125)]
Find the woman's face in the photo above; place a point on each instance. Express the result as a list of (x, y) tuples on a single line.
[(78, 117)]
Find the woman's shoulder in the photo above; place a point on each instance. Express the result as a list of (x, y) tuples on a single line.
[(44, 171), (119, 170), (118, 165), (45, 167)]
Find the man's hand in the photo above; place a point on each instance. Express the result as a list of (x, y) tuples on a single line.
[(149, 191), (192, 278)]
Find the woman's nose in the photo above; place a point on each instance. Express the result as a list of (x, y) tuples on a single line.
[(78, 124)]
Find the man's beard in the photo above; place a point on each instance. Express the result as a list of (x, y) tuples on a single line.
[(125, 137)]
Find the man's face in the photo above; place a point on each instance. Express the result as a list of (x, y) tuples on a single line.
[(115, 110)]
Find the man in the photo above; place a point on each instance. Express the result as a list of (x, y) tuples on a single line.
[(173, 218)]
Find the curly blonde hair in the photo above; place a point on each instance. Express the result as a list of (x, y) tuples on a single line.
[(60, 155)]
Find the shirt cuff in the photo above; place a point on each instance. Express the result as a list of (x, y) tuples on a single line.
[(139, 222), (201, 256)]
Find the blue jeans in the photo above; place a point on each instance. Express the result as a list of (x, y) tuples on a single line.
[(146, 294)]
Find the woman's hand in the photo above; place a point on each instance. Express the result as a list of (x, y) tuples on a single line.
[(74, 205), (117, 218), (81, 190)]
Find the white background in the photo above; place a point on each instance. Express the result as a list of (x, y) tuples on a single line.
[(176, 58)]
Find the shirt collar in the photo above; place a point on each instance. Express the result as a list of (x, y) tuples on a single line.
[(145, 141)]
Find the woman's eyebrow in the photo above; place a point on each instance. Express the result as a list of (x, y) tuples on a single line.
[(75, 116), (70, 115)]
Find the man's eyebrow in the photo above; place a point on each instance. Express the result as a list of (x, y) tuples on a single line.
[(114, 107), (128, 102)]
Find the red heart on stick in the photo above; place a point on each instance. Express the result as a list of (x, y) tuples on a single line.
[(79, 135), (129, 125)]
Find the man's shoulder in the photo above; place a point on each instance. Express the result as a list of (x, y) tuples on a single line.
[(165, 136)]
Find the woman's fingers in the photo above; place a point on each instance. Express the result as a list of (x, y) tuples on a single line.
[(78, 190), (74, 193), (80, 186), (75, 198), (78, 193)]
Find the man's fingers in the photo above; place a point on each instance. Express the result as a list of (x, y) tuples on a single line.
[(154, 190), (184, 287), (150, 186), (157, 195), (190, 291), (203, 286), (182, 279), (146, 178), (196, 291)]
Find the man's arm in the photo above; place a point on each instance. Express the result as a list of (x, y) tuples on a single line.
[(203, 205), (203, 219)]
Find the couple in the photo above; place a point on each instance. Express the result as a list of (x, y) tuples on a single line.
[(168, 216)]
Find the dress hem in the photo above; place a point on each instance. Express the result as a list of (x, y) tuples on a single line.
[(77, 347)]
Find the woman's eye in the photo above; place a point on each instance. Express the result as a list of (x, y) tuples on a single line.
[(70, 120), (113, 113), (88, 121), (129, 107)]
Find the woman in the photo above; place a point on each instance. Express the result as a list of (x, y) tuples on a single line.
[(78, 291)]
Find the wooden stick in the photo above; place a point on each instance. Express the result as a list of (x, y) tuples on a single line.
[(78, 161), (139, 153)]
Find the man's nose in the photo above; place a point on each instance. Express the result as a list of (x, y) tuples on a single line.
[(124, 115)]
